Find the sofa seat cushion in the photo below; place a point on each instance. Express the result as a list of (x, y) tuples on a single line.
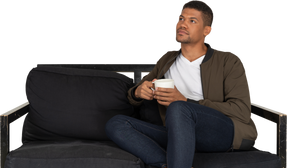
[(92, 154), (71, 103), (238, 159), (73, 154)]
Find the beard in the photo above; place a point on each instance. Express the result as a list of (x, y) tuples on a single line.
[(183, 39)]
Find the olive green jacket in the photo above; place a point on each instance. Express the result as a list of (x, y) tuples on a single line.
[(225, 89)]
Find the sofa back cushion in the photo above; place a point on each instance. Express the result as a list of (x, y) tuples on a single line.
[(72, 103)]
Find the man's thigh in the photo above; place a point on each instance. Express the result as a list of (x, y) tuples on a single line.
[(213, 130)]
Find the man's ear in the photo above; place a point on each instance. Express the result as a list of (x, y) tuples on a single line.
[(207, 30), (210, 30)]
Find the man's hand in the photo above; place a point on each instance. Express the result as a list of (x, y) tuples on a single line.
[(165, 96), (144, 90)]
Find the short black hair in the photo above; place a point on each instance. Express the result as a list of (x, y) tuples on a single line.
[(207, 14)]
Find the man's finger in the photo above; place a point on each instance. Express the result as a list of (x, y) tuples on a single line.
[(168, 90), (162, 98), (149, 85), (162, 93), (148, 90), (145, 95), (153, 80)]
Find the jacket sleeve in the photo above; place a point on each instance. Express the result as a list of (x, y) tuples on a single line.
[(236, 103), (152, 75)]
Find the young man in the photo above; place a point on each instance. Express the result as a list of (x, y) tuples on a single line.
[(208, 110)]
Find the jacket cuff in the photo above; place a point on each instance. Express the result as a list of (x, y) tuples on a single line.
[(192, 101), (133, 95)]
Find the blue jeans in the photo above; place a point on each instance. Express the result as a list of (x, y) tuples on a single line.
[(189, 127)]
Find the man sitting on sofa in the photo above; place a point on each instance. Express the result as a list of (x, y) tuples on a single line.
[(208, 110)]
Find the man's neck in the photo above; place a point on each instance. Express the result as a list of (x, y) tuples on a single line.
[(193, 52)]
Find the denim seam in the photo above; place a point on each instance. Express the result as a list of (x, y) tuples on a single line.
[(128, 121)]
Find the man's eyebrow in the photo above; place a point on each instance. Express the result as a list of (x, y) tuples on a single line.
[(189, 18)]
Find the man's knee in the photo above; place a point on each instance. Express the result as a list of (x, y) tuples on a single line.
[(179, 110), (114, 125), (176, 105), (175, 108)]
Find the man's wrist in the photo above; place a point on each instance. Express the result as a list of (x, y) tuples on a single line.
[(135, 93)]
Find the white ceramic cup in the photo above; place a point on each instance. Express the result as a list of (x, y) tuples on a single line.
[(164, 83)]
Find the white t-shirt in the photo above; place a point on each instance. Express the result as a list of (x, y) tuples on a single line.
[(187, 77)]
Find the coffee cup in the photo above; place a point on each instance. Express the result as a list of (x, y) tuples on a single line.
[(164, 83)]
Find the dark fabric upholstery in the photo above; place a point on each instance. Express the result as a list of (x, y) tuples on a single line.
[(74, 154), (105, 154), (149, 112), (67, 103), (242, 159)]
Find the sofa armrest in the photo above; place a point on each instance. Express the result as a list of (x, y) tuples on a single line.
[(5, 120), (280, 120)]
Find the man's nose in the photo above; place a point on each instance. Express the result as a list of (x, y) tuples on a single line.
[(183, 25)]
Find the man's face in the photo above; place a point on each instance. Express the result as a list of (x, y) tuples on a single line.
[(190, 27)]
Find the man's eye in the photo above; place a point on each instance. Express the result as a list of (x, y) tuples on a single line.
[(192, 21), (180, 18)]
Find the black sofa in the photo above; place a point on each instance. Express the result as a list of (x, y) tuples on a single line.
[(67, 111)]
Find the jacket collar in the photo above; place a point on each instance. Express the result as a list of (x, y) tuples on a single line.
[(208, 54)]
